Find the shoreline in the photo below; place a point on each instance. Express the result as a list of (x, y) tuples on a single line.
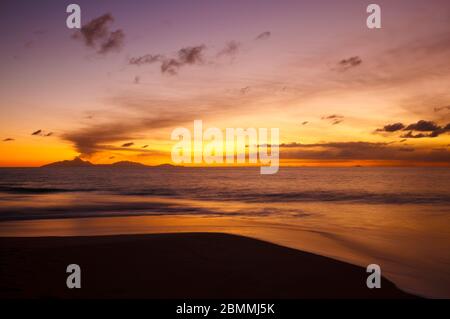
[(177, 265)]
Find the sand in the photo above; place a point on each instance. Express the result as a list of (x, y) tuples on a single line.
[(179, 265)]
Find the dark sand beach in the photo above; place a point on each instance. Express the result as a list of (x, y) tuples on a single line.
[(181, 265)]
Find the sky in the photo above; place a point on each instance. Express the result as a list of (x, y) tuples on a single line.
[(340, 93)]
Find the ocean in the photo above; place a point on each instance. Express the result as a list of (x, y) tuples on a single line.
[(398, 218)]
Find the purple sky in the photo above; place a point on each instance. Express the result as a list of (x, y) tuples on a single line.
[(260, 64)]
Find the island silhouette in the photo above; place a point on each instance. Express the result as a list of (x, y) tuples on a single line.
[(78, 162)]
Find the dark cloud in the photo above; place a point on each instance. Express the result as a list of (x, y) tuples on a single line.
[(188, 55), (334, 118), (42, 133), (431, 128), (425, 129), (230, 49), (113, 43), (38, 132), (146, 59), (412, 135), (8, 139), (93, 139), (96, 34), (263, 36), (422, 126), (170, 66), (138, 116), (346, 64), (391, 127), (191, 55), (96, 30), (333, 151), (185, 56), (128, 144), (97, 137)]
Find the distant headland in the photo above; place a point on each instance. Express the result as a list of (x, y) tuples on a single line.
[(78, 162)]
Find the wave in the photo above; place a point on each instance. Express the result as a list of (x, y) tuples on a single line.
[(251, 197), (339, 196), (40, 190), (113, 209)]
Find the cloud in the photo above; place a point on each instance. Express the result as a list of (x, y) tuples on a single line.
[(38, 132), (146, 154), (170, 66), (244, 90), (422, 126), (434, 133), (432, 129), (185, 56), (128, 144), (391, 127), (438, 109), (8, 139), (137, 116), (263, 36), (191, 55), (146, 59), (412, 135), (426, 129), (113, 43), (346, 64), (96, 34), (333, 151), (98, 137), (96, 30), (230, 49), (42, 133), (188, 55), (334, 119)]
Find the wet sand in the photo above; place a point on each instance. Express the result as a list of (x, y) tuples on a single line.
[(179, 265)]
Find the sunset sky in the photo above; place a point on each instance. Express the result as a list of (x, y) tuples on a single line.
[(340, 93)]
